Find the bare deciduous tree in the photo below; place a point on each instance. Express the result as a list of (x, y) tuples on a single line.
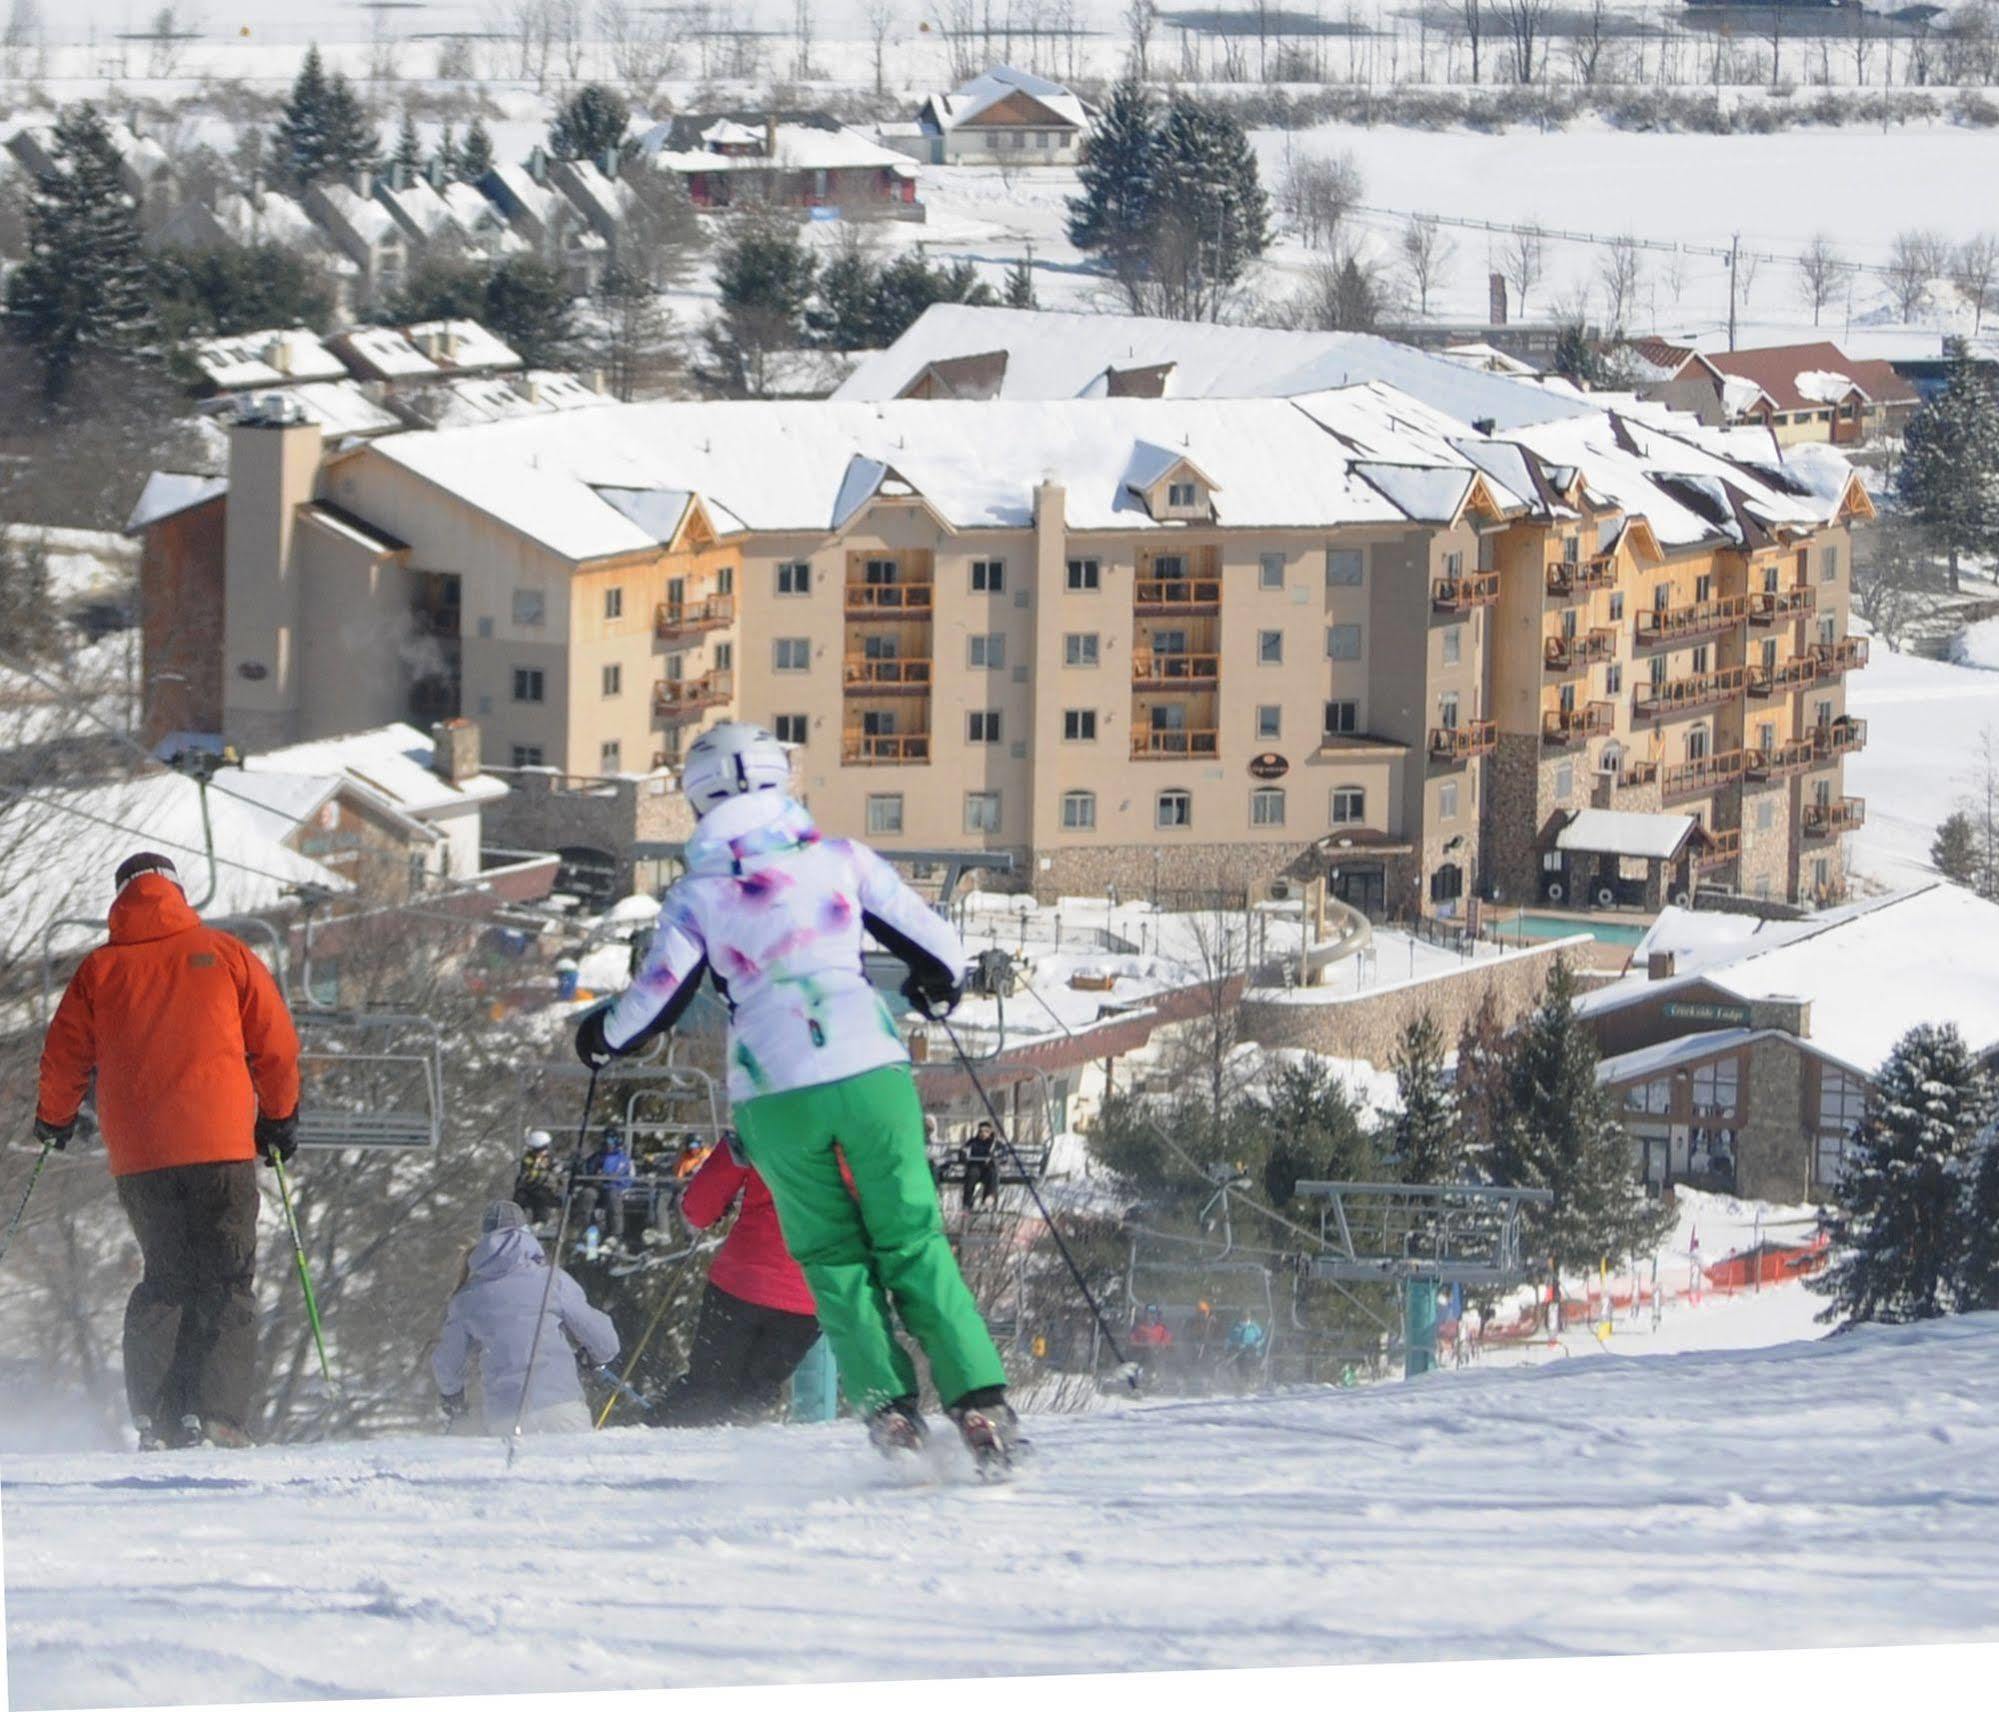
[(1526, 24), (1618, 271), (880, 16), (1316, 194), (1141, 17), (1471, 15), (1587, 41), (1915, 259), (1822, 272), (1426, 256), (1974, 270), (1521, 259)]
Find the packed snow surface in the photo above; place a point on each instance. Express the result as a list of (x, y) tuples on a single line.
[(1826, 1493)]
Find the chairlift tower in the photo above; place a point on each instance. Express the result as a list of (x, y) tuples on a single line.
[(1422, 1237)]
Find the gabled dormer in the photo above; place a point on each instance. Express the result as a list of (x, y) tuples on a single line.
[(1170, 485)]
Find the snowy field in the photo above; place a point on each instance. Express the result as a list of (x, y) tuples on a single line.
[(1594, 1505)]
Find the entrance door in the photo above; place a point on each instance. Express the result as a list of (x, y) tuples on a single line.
[(1364, 889)]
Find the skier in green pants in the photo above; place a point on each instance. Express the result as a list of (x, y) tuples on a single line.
[(818, 1075)]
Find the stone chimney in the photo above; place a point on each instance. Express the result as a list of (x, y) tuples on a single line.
[(1496, 309), (455, 756), (1659, 966)]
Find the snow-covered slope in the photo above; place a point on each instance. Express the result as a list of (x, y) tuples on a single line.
[(1815, 1494)]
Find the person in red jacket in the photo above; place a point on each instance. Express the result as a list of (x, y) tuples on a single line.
[(757, 1316), (196, 1063)]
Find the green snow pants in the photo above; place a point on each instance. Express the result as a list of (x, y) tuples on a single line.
[(856, 1256)]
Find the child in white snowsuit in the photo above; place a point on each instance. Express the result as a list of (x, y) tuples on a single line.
[(495, 1310), (775, 914)]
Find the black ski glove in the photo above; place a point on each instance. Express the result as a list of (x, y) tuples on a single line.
[(453, 1405), (277, 1138), (56, 1135), (591, 1046), (734, 1143), (933, 991)]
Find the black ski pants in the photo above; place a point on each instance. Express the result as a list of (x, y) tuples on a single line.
[(191, 1324), (743, 1354)]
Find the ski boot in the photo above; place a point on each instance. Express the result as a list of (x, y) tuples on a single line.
[(896, 1429), (991, 1431), (219, 1434), (150, 1439)]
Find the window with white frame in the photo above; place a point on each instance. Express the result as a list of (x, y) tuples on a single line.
[(1454, 644), (1079, 648), (986, 653), (885, 815), (613, 681), (1343, 642), (1173, 809), (1447, 800), (1269, 723), (1079, 725), (982, 725), (1349, 805), (982, 811), (1266, 806), (1085, 576), (791, 654), (794, 576), (1079, 811), (614, 602), (988, 576)]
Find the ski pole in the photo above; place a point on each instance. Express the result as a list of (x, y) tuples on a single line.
[(639, 1349), (620, 1389), (304, 1271), (20, 1212), (555, 1260), (1126, 1368)]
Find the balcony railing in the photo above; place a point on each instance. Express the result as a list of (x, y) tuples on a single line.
[(1797, 673), (1703, 773), (676, 618), (1462, 742), (1781, 760), (1167, 745), (1837, 737), (1829, 820), (1658, 624), (1773, 606), (1686, 695), (1638, 773), (866, 675), (1175, 671), (1573, 724), (888, 600), (1585, 574), (884, 749), (1848, 654), (688, 698), (1177, 594), (1461, 594), (1718, 849), (1573, 653)]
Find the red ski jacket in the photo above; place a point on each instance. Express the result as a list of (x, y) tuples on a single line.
[(753, 1264)]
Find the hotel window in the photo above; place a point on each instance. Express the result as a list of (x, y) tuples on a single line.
[(791, 654), (1174, 808), (983, 726), (1079, 811), (1654, 1097), (1269, 724), (885, 816), (1828, 564), (1346, 567), (1342, 718), (527, 754), (529, 684), (1270, 570), (1617, 607), (614, 680), (725, 580), (987, 652), (614, 603), (1572, 550), (725, 656), (988, 576), (982, 811), (610, 756), (1079, 725), (1613, 678), (1343, 642), (1085, 577), (791, 728), (1270, 647), (1715, 1089), (1079, 648), (794, 577), (1454, 644), (1349, 805), (1454, 565), (1266, 806), (1447, 800)]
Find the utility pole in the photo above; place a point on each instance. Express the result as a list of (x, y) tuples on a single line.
[(1734, 247)]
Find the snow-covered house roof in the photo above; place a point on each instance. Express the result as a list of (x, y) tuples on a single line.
[(463, 347), (340, 407), (787, 143), (1063, 354), (271, 217), (395, 762), (1050, 104), (479, 219), (274, 357), (1620, 832), (168, 493), (474, 399), (1665, 1055), (382, 353), (356, 221)]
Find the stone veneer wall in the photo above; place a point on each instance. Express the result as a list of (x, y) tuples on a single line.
[(1141, 870), (1513, 818), (1773, 1153), (544, 810), (1766, 854), (1368, 1025)]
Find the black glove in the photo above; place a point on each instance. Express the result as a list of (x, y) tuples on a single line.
[(591, 1046), (277, 1138), (453, 1405), (56, 1135), (734, 1143), (932, 990)]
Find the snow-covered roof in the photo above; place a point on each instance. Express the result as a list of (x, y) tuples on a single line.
[(1825, 386), (1664, 1055), (965, 104), (1064, 354), (394, 761), (1621, 832), (478, 217), (604, 199), (271, 358), (801, 148), (538, 199), (461, 345), (731, 133), (385, 352), (168, 493), (340, 407), (274, 218), (474, 399)]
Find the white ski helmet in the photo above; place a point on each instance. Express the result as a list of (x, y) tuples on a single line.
[(732, 760)]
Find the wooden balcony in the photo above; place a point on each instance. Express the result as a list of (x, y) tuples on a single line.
[(675, 621), (1689, 694), (675, 699), (1573, 724), (1461, 594), (1837, 737), (1797, 673), (1463, 742), (1151, 670), (1565, 579), (864, 675), (1688, 623), (1696, 777), (1717, 849), (884, 749), (1638, 773), (889, 600), (1829, 820), (1768, 606), (1781, 760), (1848, 654), (1152, 744), (1177, 596), (1574, 653)]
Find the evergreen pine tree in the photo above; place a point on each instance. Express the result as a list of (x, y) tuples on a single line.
[(1562, 1133), (527, 304), (1910, 1179), (1019, 292), (475, 154), (1308, 1126), (589, 124), (84, 284), (1483, 1091), (845, 319), (1948, 478), (1209, 217), (1978, 1276), (449, 163), (765, 276), (298, 146), (1428, 1144), (351, 142), (408, 156), (1112, 215), (1954, 850)]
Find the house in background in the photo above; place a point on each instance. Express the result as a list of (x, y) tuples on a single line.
[(1003, 117), (264, 216), (799, 160), (546, 221), (1803, 392)]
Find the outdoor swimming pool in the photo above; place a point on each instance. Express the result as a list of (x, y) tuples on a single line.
[(1527, 925)]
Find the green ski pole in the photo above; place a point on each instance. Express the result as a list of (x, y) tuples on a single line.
[(304, 1273), (20, 1212)]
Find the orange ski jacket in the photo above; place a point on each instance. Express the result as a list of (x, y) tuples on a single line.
[(186, 1030)]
